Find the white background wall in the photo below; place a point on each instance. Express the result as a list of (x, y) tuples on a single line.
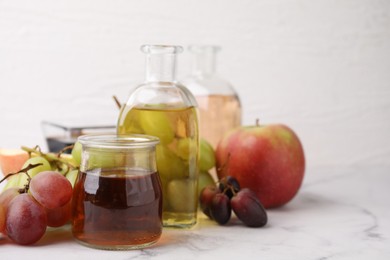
[(320, 66)]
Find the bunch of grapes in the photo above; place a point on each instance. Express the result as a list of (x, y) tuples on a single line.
[(218, 202), (65, 164), (38, 196), (44, 201)]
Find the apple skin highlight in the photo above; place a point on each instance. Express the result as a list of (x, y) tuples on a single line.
[(266, 159)]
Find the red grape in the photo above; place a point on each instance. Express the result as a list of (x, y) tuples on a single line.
[(7, 195), (5, 198), (218, 203), (206, 196), (248, 208), (26, 220), (2, 218), (220, 208), (58, 217), (51, 189)]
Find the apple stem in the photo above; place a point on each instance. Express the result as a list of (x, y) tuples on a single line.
[(257, 122)]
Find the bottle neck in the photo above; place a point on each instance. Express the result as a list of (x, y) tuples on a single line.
[(161, 62), (204, 60), (160, 67)]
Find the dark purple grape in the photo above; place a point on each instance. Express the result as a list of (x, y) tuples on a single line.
[(229, 185), (206, 196), (220, 208), (249, 209)]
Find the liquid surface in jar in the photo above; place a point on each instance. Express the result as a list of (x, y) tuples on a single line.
[(218, 114), (117, 208), (177, 156)]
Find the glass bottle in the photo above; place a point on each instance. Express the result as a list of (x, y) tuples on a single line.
[(164, 108), (117, 198), (219, 105)]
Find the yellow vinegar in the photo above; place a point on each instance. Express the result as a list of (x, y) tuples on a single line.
[(177, 156)]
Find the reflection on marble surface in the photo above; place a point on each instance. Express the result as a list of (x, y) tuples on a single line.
[(338, 214)]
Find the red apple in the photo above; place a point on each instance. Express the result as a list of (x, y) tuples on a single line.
[(267, 159)]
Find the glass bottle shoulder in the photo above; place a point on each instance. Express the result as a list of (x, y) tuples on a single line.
[(168, 95), (201, 85)]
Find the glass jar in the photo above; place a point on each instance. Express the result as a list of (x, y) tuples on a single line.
[(64, 133), (117, 198), (219, 105), (164, 108)]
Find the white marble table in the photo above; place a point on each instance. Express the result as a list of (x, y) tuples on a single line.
[(338, 214)]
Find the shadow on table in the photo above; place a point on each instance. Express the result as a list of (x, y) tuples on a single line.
[(56, 236), (303, 202), (306, 201), (52, 236)]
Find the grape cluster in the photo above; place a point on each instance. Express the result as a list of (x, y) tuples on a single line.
[(65, 164), (27, 212), (219, 202), (36, 197)]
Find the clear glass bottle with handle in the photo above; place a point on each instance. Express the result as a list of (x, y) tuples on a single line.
[(218, 102), (164, 108)]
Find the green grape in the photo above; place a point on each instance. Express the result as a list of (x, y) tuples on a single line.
[(169, 165), (76, 153), (72, 176), (207, 156), (181, 195), (55, 164), (63, 168), (205, 179), (130, 125), (34, 171), (186, 147), (100, 159), (164, 187), (156, 123), (68, 158), (13, 181)]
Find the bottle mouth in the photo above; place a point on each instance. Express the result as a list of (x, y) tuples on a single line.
[(204, 48), (161, 49), (113, 141)]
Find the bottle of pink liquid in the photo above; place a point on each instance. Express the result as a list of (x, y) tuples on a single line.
[(218, 103)]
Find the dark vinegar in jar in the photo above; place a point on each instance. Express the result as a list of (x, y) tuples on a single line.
[(116, 208)]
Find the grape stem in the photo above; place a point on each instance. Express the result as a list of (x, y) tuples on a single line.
[(228, 187), (27, 168), (234, 191), (66, 148), (52, 158), (24, 170)]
